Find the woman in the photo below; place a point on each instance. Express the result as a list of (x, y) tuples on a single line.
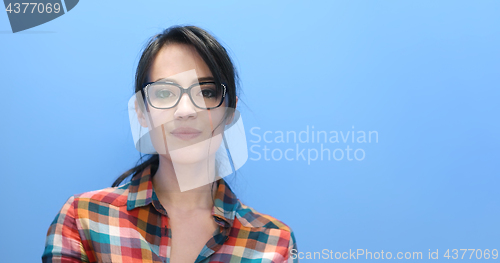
[(176, 208)]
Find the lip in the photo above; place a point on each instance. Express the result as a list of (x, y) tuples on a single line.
[(185, 133)]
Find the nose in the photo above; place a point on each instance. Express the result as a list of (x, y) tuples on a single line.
[(185, 109)]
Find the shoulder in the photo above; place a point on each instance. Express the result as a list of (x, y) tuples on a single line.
[(249, 217), (262, 227), (114, 196)]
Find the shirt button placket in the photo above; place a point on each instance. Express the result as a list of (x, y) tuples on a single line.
[(165, 239)]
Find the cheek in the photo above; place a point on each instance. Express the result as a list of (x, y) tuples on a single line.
[(217, 121), (159, 117), (158, 141)]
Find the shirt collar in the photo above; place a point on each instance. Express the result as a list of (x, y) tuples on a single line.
[(141, 193)]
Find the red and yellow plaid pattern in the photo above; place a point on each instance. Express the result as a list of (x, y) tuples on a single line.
[(128, 224)]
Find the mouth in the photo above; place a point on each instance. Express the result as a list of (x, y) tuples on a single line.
[(186, 133)]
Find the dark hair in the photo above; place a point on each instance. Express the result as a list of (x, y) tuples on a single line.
[(210, 50)]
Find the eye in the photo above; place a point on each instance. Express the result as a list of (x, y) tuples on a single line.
[(208, 93), (164, 94), (208, 90)]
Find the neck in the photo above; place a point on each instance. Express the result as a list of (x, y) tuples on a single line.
[(185, 187)]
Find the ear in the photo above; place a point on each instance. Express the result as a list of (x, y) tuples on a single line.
[(230, 119), (140, 115)]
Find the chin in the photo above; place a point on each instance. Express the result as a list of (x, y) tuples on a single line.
[(188, 155)]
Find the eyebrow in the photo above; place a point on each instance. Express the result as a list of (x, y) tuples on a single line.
[(199, 79)]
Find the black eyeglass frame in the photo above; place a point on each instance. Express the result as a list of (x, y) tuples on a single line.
[(183, 90)]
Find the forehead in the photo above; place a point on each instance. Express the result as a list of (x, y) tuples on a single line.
[(174, 59)]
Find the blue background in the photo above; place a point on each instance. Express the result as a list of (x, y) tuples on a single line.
[(423, 74)]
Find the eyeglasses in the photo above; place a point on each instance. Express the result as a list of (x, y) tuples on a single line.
[(166, 95)]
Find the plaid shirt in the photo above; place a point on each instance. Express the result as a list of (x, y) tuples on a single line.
[(128, 224)]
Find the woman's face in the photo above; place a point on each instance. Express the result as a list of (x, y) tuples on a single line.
[(183, 133)]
